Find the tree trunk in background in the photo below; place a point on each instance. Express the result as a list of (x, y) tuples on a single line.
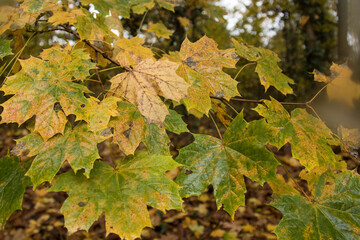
[(343, 46)]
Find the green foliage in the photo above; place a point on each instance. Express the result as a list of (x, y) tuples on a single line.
[(13, 183), (333, 214), (122, 193), (100, 86)]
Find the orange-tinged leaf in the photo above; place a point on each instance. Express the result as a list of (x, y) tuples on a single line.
[(14, 18), (349, 137), (147, 81), (43, 86), (339, 85), (129, 52), (201, 65), (122, 194)]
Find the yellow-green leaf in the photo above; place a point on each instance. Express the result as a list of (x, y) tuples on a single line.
[(201, 65), (160, 30), (78, 146), (45, 88), (121, 193), (5, 49), (266, 66)]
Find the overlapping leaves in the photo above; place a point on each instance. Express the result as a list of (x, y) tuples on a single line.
[(333, 214), (45, 88), (223, 163), (122, 194)]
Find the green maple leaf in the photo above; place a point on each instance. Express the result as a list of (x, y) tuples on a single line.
[(269, 72), (223, 163), (122, 194), (13, 183), (78, 146), (131, 128), (201, 66), (309, 137), (174, 123), (45, 88), (333, 214), (5, 49)]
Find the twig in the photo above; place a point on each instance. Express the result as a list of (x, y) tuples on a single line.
[(142, 21)]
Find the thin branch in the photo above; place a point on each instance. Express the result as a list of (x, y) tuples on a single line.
[(142, 21), (317, 94), (259, 101), (92, 46), (98, 76)]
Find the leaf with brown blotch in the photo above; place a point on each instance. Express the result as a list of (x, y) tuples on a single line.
[(45, 88), (339, 85), (201, 65), (148, 80), (129, 52)]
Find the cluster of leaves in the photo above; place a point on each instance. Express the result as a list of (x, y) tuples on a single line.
[(67, 120)]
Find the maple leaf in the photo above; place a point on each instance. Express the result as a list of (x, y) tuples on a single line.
[(223, 163), (13, 183), (349, 137), (201, 66), (78, 146), (334, 214), (309, 137), (130, 129), (129, 52), (160, 30), (142, 85), (121, 193), (5, 49), (44, 83), (266, 66), (339, 85)]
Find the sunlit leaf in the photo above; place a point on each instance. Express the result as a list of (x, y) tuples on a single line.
[(160, 30)]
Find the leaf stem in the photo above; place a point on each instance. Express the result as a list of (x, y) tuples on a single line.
[(142, 22), (242, 68), (216, 126)]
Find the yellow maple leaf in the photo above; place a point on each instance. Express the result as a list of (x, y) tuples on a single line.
[(148, 80), (339, 84)]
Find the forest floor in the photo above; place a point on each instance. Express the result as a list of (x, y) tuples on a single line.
[(41, 217)]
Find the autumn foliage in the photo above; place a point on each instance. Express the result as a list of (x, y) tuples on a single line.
[(67, 120)]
